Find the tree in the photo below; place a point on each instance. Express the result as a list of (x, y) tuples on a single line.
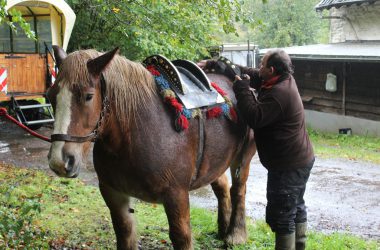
[(174, 28), (289, 23), (281, 23)]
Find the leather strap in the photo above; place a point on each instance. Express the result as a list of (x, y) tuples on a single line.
[(69, 138), (94, 133), (201, 146), (227, 63)]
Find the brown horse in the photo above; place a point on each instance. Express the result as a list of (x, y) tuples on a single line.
[(137, 152)]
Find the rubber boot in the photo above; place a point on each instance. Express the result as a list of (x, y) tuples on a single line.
[(285, 241), (301, 235)]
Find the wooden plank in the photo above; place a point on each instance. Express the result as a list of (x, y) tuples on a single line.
[(321, 94), (326, 103), (306, 98), (26, 74), (354, 98), (3, 96), (20, 97), (344, 89), (363, 115), (363, 108), (322, 108)]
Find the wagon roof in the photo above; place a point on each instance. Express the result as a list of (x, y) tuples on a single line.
[(328, 4), (347, 51), (55, 8)]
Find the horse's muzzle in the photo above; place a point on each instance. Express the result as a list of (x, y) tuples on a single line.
[(67, 166)]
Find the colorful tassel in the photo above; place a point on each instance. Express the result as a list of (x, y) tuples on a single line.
[(181, 123), (183, 114), (217, 88), (214, 112), (153, 70), (233, 115), (174, 103)]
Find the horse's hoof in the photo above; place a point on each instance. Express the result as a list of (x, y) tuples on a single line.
[(236, 237)]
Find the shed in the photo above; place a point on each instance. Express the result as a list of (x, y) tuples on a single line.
[(350, 63), (356, 67), (328, 4)]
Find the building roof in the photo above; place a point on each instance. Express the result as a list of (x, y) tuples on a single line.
[(328, 4), (347, 51)]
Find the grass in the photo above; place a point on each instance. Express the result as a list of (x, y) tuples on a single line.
[(42, 212), (352, 147)]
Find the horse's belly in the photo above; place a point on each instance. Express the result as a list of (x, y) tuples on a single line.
[(131, 184)]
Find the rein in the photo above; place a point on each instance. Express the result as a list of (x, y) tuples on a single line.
[(93, 135), (4, 112)]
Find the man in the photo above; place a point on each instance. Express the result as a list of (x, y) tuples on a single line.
[(276, 114)]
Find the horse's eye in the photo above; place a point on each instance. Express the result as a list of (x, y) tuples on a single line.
[(89, 97)]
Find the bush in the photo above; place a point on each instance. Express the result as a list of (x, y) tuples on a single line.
[(17, 228)]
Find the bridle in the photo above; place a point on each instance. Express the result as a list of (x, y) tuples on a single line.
[(93, 135)]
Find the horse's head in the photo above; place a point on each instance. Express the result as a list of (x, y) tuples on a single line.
[(79, 101)]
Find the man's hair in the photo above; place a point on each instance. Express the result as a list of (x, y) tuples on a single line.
[(280, 61)]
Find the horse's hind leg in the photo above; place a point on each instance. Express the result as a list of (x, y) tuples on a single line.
[(177, 210), (122, 220), (222, 192), (236, 233)]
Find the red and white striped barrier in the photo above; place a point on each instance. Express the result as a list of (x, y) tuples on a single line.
[(3, 80), (53, 75)]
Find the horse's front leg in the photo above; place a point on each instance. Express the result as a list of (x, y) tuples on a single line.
[(236, 233), (122, 220), (222, 191), (177, 208)]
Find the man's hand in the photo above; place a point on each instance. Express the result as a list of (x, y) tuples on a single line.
[(244, 76), (209, 66), (202, 64), (221, 66)]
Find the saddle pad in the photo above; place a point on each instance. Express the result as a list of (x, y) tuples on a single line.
[(193, 89)]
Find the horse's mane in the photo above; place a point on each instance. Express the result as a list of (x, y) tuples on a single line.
[(129, 85)]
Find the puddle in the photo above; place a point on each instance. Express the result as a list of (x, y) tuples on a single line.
[(4, 147)]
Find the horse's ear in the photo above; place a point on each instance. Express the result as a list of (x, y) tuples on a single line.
[(97, 65), (59, 55)]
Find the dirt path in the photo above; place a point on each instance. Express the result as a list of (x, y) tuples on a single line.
[(341, 195)]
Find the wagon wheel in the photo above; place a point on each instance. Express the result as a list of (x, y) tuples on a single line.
[(31, 114)]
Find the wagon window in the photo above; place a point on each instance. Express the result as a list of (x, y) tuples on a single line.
[(5, 41), (18, 42), (21, 43), (44, 32)]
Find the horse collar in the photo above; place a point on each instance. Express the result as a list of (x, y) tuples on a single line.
[(93, 135)]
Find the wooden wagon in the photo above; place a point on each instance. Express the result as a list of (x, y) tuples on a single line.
[(27, 66)]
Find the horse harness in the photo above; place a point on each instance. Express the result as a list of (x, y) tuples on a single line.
[(93, 135)]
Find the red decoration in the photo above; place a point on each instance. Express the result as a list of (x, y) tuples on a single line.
[(214, 112), (233, 114), (220, 91), (153, 70), (174, 103), (182, 122)]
